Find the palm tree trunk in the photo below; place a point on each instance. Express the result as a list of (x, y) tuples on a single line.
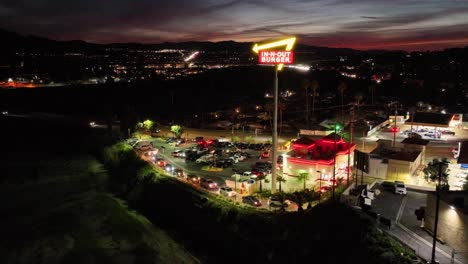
[(280, 186)]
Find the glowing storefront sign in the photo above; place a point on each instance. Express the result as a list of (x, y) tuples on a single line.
[(276, 57)]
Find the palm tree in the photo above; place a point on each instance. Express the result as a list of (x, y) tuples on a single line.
[(358, 99), (299, 199), (303, 176), (280, 179), (282, 197), (309, 197), (314, 86), (269, 108), (341, 88), (260, 179), (305, 85)]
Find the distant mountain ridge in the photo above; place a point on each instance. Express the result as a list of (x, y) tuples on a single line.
[(14, 42), (21, 43)]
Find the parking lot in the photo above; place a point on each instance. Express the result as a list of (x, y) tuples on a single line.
[(173, 158)]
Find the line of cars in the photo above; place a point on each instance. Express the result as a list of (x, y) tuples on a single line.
[(427, 133)]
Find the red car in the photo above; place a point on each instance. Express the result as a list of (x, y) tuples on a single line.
[(265, 155)]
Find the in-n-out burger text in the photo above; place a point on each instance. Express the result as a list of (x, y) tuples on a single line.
[(275, 57)]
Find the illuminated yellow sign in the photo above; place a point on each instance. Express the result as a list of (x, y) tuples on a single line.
[(288, 43)]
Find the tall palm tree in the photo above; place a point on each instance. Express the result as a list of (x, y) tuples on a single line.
[(303, 176), (269, 108), (341, 88), (314, 86), (280, 179), (358, 99), (260, 179), (306, 85)]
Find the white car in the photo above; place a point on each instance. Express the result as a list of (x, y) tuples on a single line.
[(227, 191), (462, 175), (400, 187)]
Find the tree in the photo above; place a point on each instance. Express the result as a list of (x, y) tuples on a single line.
[(431, 172), (465, 186), (341, 88), (269, 108), (303, 176), (177, 130), (146, 125), (358, 99), (260, 179), (280, 179), (282, 197), (299, 199), (309, 197)]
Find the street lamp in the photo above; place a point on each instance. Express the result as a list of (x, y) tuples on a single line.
[(337, 127), (320, 186)]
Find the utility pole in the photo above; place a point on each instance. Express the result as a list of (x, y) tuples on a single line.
[(436, 222), (307, 105), (351, 134), (395, 126), (334, 163)]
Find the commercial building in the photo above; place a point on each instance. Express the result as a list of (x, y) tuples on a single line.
[(402, 162), (311, 155)]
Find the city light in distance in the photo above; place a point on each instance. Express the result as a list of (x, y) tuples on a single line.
[(192, 56)]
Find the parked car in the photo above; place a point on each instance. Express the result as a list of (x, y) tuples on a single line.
[(400, 187), (225, 163), (179, 141), (227, 191), (265, 155), (177, 153), (262, 165), (251, 200), (208, 184), (414, 135), (447, 132), (170, 140), (275, 201)]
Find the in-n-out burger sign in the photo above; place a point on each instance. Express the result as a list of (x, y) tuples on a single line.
[(275, 57)]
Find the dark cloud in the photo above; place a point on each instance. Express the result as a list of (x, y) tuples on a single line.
[(353, 23)]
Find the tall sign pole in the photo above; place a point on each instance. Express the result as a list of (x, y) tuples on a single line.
[(278, 58)]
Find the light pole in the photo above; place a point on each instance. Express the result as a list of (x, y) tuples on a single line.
[(275, 134), (320, 186), (337, 126)]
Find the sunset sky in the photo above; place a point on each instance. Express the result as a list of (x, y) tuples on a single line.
[(365, 24)]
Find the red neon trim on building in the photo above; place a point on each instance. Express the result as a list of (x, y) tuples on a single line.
[(303, 146), (310, 162), (332, 142)]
